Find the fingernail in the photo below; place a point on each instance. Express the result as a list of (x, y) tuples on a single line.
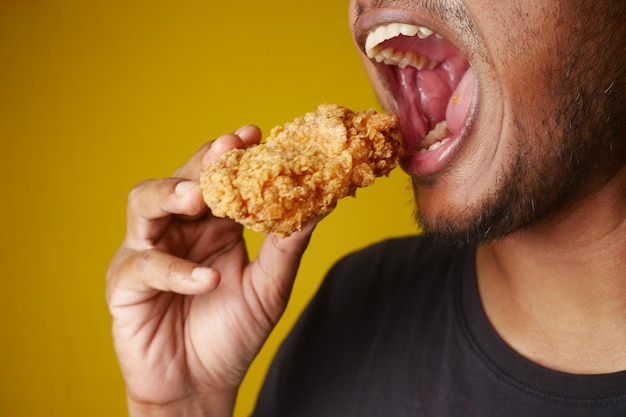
[(242, 129), (183, 187), (201, 273)]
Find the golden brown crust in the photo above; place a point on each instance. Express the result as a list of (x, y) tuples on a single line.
[(302, 168)]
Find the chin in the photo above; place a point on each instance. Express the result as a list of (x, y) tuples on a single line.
[(494, 142)]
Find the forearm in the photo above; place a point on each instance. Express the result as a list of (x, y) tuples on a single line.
[(211, 406)]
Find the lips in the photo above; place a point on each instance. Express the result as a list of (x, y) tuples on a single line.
[(433, 88)]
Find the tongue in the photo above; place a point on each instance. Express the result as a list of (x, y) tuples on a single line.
[(459, 103)]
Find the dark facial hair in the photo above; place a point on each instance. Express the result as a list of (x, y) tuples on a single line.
[(579, 147)]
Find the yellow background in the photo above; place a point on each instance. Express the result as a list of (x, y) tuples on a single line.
[(96, 96)]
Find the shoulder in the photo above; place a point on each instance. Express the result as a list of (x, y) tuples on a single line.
[(395, 260), (376, 306), (409, 249), (408, 270)]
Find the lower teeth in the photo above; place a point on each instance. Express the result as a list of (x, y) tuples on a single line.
[(434, 146), (435, 138)]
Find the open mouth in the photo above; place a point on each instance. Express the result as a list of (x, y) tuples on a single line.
[(432, 84)]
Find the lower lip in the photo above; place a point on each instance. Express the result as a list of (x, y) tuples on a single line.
[(433, 162)]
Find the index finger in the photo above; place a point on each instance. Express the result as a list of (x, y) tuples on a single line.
[(152, 203)]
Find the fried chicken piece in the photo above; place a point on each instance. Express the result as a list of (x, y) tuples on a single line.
[(302, 168)]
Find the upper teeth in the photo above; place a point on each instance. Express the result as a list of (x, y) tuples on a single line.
[(389, 56)]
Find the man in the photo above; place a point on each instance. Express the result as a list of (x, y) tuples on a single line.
[(528, 172)]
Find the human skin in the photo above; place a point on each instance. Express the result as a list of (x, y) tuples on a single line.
[(537, 176), (550, 266), (538, 125), (189, 310)]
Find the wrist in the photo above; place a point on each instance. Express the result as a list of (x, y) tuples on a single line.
[(221, 405)]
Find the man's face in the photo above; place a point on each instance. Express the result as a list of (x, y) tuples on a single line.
[(510, 110)]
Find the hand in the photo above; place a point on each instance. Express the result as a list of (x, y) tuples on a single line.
[(189, 310)]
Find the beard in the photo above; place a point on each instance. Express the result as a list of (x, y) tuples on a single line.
[(580, 148)]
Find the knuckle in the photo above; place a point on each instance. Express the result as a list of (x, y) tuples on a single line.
[(171, 269), (136, 192), (149, 198), (151, 261)]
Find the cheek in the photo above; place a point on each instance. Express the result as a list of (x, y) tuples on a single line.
[(531, 44)]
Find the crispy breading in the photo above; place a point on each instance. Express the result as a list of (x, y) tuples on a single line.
[(302, 168)]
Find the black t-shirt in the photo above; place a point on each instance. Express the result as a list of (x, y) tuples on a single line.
[(398, 329)]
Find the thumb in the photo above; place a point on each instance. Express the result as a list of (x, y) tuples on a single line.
[(274, 270)]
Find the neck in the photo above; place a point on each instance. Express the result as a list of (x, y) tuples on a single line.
[(556, 292)]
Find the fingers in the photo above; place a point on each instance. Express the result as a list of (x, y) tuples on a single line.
[(152, 203), (132, 274), (243, 137), (276, 265), (283, 255), (210, 152), (154, 199), (249, 134)]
